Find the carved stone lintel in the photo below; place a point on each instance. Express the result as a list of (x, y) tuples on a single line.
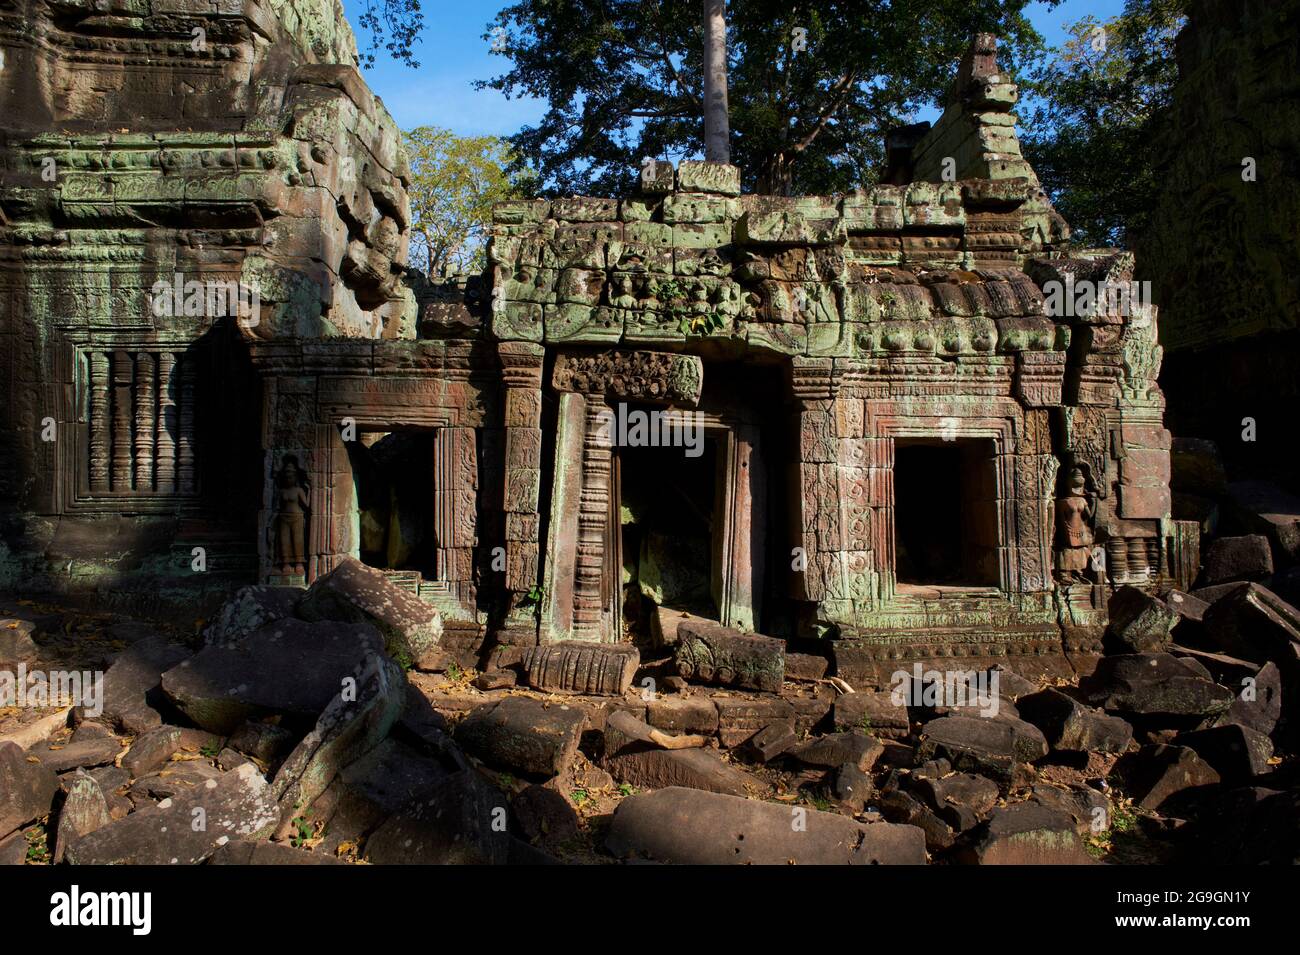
[(713, 653), (636, 375)]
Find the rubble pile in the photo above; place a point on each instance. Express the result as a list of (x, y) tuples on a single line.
[(300, 730)]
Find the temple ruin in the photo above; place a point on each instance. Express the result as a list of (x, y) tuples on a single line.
[(889, 424)]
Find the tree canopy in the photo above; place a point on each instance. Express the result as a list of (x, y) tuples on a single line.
[(1097, 116), (455, 180), (813, 86)]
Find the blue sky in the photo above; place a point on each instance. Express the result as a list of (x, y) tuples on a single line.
[(452, 54)]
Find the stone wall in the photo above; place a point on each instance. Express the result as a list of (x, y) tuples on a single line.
[(1221, 252), (174, 147)]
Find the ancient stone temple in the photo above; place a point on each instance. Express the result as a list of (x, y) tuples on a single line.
[(885, 420)]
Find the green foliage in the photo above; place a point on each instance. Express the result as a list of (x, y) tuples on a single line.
[(532, 597), (455, 181), (1093, 134), (623, 80), (210, 750)]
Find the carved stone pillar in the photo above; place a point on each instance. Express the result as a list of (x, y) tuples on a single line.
[(121, 454), (521, 372), (100, 423), (815, 516), (593, 521), (145, 412)]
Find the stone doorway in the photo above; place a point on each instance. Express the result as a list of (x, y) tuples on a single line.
[(945, 514), (666, 507), (395, 480)]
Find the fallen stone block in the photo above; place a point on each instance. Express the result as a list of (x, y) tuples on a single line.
[(1138, 622), (769, 743), (1089, 809), (174, 781), (288, 667), (1069, 725), (1256, 624), (84, 810), (962, 800), (353, 723), (1158, 771), (982, 745), (523, 735), (151, 750), (455, 825), (1236, 558), (1026, 834), (132, 690), (495, 680), (836, 749), (237, 805), (26, 789), (1153, 684), (544, 816), (248, 611), (634, 755), (903, 808), (263, 741), (13, 849), (692, 827), (1269, 510), (712, 653), (805, 666), (355, 593), (1258, 704), (683, 714), (62, 757), (579, 666), (1237, 753), (740, 718), (871, 711), (1187, 606)]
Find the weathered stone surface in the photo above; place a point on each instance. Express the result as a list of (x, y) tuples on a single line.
[(836, 749), (696, 176), (263, 741), (1258, 704), (905, 809), (355, 593), (352, 724), (1139, 622), (60, 758), (632, 755), (26, 789), (1085, 805), (683, 714), (874, 712), (1236, 558), (248, 611), (691, 827), (1269, 510), (245, 852), (851, 787), (1027, 834), (13, 849), (453, 826), (769, 743), (172, 781), (739, 718), (1158, 771), (132, 689), (84, 810), (523, 735), (1254, 623), (962, 800), (237, 805), (805, 666), (1187, 606), (151, 750), (982, 745), (16, 644), (1153, 684), (1069, 725), (712, 653), (544, 816), (222, 687), (576, 666), (1235, 752)]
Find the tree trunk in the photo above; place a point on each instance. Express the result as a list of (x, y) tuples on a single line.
[(717, 127)]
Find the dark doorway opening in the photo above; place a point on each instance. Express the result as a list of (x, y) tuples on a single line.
[(394, 474), (666, 513), (945, 512)]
